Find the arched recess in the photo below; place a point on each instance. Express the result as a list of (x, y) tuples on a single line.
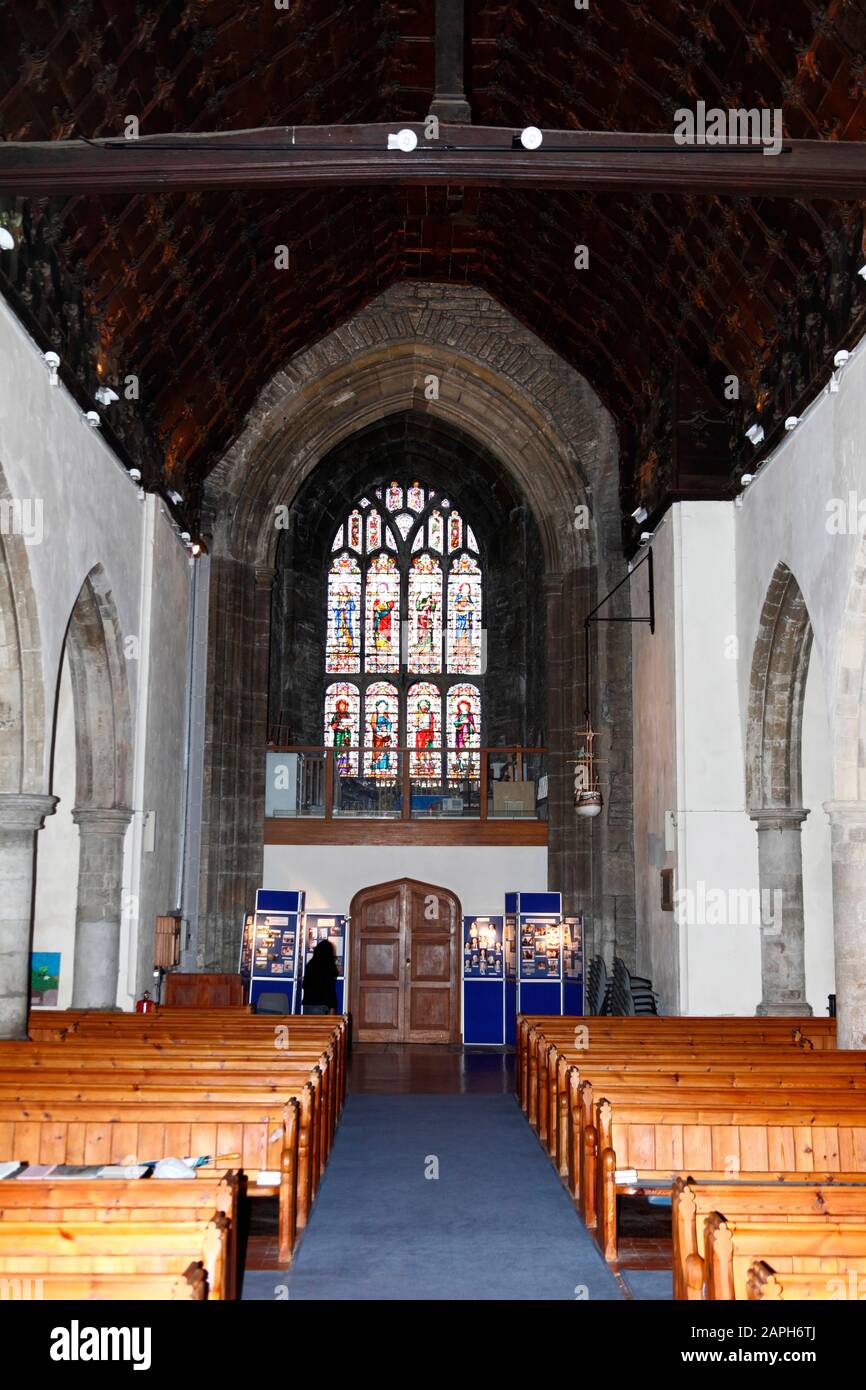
[(103, 762), (480, 373), (24, 801), (777, 689)]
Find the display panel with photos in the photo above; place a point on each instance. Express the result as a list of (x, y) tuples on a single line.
[(247, 938), (572, 947), (276, 938), (322, 926), (483, 957), (540, 947)]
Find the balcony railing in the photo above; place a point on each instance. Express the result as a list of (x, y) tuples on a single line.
[(306, 781)]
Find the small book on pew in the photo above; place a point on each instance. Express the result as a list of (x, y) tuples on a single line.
[(35, 1172), (9, 1168), (77, 1170)]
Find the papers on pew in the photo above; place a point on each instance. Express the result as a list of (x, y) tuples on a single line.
[(9, 1168), (157, 1168)]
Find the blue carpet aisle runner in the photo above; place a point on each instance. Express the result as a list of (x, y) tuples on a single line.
[(495, 1224)]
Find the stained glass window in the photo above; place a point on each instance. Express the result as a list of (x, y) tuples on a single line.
[(342, 726), (463, 640), (424, 732), (464, 732), (404, 561), (383, 614), (381, 731), (425, 615), (343, 647)]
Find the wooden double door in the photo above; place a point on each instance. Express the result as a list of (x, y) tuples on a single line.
[(404, 982)]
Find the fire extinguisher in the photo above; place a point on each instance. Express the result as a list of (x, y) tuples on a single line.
[(144, 1005)]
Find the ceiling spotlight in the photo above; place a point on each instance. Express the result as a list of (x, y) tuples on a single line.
[(92, 419), (52, 362), (746, 479), (646, 536), (841, 358), (405, 140), (176, 498), (639, 515), (755, 433), (196, 548), (105, 395), (135, 474), (792, 422), (531, 137), (7, 240), (185, 537)]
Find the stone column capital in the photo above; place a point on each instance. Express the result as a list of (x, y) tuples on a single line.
[(778, 817), (846, 813), (25, 810), (110, 820)]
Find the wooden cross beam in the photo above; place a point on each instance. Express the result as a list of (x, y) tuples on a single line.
[(471, 156), (449, 103)]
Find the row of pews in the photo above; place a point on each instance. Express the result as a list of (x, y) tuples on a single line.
[(755, 1128), (260, 1098)]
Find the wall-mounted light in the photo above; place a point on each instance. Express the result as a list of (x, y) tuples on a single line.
[(106, 396), (52, 362), (646, 537), (792, 422), (135, 474), (531, 138), (755, 433), (405, 140), (746, 479), (92, 419), (639, 515)]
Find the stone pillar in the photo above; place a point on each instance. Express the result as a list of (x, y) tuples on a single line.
[(780, 873), (848, 851), (21, 815), (97, 917)]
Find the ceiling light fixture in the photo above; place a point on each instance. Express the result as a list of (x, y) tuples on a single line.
[(405, 140), (92, 419), (792, 422), (531, 137), (52, 362), (105, 395), (639, 515), (755, 433), (7, 240)]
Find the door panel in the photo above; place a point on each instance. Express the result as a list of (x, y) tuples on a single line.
[(405, 953)]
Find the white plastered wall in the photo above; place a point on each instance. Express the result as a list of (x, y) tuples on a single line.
[(92, 515)]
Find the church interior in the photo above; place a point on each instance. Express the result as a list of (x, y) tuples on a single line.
[(433, 651)]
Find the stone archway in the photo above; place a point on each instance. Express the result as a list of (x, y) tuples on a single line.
[(847, 814), (23, 801), (777, 687), (453, 352), (103, 754)]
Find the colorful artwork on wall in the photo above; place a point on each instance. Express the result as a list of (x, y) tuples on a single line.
[(44, 979)]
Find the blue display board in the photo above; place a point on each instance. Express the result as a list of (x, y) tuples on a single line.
[(276, 945), (539, 952), (325, 926), (483, 980)]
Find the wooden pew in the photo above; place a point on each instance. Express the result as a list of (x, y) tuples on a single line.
[(731, 1247), (663, 1135), (33, 1249), (155, 1202), (71, 1287), (764, 1282), (818, 1197)]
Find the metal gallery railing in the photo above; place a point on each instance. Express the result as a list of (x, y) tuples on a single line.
[(403, 783)]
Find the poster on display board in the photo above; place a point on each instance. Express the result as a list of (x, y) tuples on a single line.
[(276, 945), (483, 980), (325, 926)]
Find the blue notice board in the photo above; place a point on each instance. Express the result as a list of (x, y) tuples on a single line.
[(276, 944), (539, 952), (483, 980)]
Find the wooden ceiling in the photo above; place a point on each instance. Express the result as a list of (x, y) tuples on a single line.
[(682, 291)]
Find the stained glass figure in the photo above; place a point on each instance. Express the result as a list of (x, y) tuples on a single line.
[(464, 732), (415, 498), (355, 531), (374, 531), (383, 614), (425, 615), (381, 724), (343, 643), (424, 723), (436, 531), (455, 531), (394, 497), (342, 720), (463, 639)]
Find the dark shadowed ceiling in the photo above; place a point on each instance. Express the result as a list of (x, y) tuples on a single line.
[(682, 290)]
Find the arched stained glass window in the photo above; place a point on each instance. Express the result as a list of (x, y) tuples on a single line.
[(405, 596)]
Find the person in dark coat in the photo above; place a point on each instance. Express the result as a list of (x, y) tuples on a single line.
[(320, 981)]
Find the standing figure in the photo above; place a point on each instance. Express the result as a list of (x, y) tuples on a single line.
[(383, 607), (425, 737), (464, 624), (464, 732), (341, 727), (344, 622), (425, 610), (381, 726)]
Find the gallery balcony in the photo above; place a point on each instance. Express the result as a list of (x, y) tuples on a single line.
[(482, 796)]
